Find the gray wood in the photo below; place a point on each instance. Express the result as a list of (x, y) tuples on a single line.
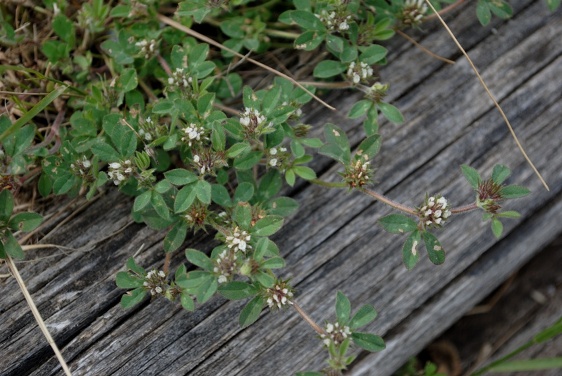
[(333, 242)]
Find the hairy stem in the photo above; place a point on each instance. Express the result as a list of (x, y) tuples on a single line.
[(389, 202), (308, 319), (464, 209)]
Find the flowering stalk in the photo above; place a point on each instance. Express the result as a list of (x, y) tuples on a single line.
[(389, 202)]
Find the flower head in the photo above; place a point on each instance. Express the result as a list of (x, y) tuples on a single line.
[(335, 333), (280, 295), (434, 211)]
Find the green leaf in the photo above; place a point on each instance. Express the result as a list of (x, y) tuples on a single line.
[(238, 149), (174, 239), (132, 298), (242, 215), (365, 315), (268, 225), (141, 201), (207, 289), (162, 186), (343, 308), (25, 221), (248, 161), (360, 108), (514, 191), (184, 198), (434, 248), (368, 341), (159, 205), (309, 40), (290, 177), (265, 279), (306, 20), (283, 206), (237, 290), (126, 281), (398, 223), (305, 172), (369, 146), (497, 227), (471, 175), (270, 184), (390, 112), (64, 28), (483, 12), (132, 265), (12, 247), (203, 191), (187, 302), (220, 196), (410, 252), (372, 54), (199, 259), (105, 151), (509, 214), (500, 173), (337, 144), (251, 312), (244, 192), (265, 247), (218, 137), (128, 79), (180, 176), (328, 68), (6, 205), (274, 263)]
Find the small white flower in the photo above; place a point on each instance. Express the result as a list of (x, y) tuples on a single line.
[(115, 165), (273, 162), (272, 151)]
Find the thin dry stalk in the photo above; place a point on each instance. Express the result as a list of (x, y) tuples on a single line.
[(432, 54), (36, 314), (491, 96)]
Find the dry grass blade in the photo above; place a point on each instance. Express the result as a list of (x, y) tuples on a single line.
[(491, 96), (432, 54), (205, 39), (36, 314)]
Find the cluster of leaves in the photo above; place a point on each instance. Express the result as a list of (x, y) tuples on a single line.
[(11, 223)]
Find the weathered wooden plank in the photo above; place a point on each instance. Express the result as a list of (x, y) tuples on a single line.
[(520, 308), (335, 248)]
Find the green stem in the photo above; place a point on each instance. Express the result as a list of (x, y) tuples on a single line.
[(328, 184), (389, 202)]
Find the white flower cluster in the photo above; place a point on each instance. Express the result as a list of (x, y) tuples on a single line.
[(279, 296), (275, 156), (239, 240), (251, 117), (80, 167), (334, 21), (145, 133), (435, 211), (359, 72), (201, 165), (193, 133), (335, 333), (119, 172), (413, 12), (146, 47), (154, 281), (180, 79), (225, 265)]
